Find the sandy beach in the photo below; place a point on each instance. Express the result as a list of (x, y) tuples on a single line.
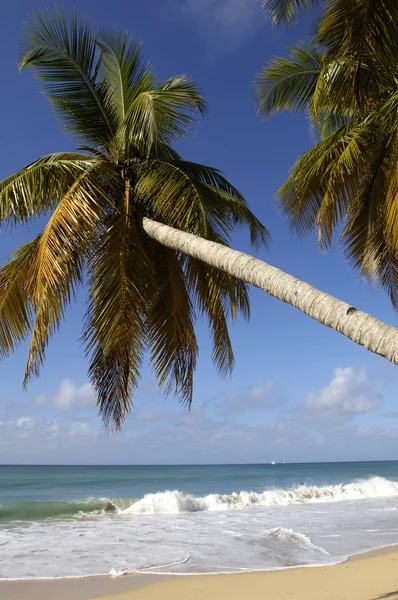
[(367, 577)]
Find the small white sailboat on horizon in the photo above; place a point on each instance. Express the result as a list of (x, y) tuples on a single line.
[(273, 462)]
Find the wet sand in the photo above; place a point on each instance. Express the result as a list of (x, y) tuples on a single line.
[(72, 589), (369, 576)]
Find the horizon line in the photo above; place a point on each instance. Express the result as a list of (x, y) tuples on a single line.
[(321, 462)]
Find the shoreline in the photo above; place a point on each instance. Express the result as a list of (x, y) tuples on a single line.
[(153, 574), (124, 587)]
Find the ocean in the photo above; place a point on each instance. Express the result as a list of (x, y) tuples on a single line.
[(78, 521)]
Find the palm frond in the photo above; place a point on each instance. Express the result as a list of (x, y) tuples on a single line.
[(40, 186), (327, 123), (114, 333), (364, 211), (289, 83), (390, 175), (382, 243), (57, 268), (217, 295), (15, 302), (63, 56), (286, 12), (365, 31), (123, 70), (351, 88), (170, 324), (365, 236), (164, 113), (323, 180), (197, 199)]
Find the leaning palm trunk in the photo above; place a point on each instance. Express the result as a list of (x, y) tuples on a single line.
[(360, 327)]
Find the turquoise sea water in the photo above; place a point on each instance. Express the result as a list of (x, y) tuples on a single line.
[(191, 518)]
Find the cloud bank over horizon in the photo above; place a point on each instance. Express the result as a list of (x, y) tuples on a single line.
[(255, 424)]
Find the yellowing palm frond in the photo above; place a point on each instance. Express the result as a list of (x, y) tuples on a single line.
[(58, 263), (39, 187), (15, 302), (114, 333), (170, 324), (215, 295)]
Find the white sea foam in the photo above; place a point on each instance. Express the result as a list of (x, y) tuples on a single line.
[(202, 541), (173, 532), (288, 535), (151, 568), (119, 572), (174, 502)]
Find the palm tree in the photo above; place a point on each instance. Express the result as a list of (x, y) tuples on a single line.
[(148, 231), (347, 81)]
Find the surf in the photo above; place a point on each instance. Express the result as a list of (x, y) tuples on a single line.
[(175, 501)]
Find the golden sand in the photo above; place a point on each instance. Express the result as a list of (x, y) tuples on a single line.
[(365, 578), (368, 577)]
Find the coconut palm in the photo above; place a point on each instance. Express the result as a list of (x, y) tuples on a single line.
[(346, 80), (142, 296), (148, 231)]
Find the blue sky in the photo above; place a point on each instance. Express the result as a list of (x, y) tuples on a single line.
[(299, 391)]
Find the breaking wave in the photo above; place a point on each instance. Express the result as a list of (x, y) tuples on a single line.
[(174, 502)]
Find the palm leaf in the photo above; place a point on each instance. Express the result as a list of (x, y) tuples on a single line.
[(123, 69), (197, 199), (170, 324), (365, 236), (289, 83), (63, 56), (40, 186), (15, 301), (58, 263), (286, 12), (114, 333), (328, 122), (165, 113), (364, 30), (324, 179), (215, 295)]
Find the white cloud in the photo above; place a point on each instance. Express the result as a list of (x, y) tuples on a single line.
[(349, 392), (29, 439), (256, 398), (252, 425), (68, 396), (163, 433), (80, 428), (24, 421), (233, 20)]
